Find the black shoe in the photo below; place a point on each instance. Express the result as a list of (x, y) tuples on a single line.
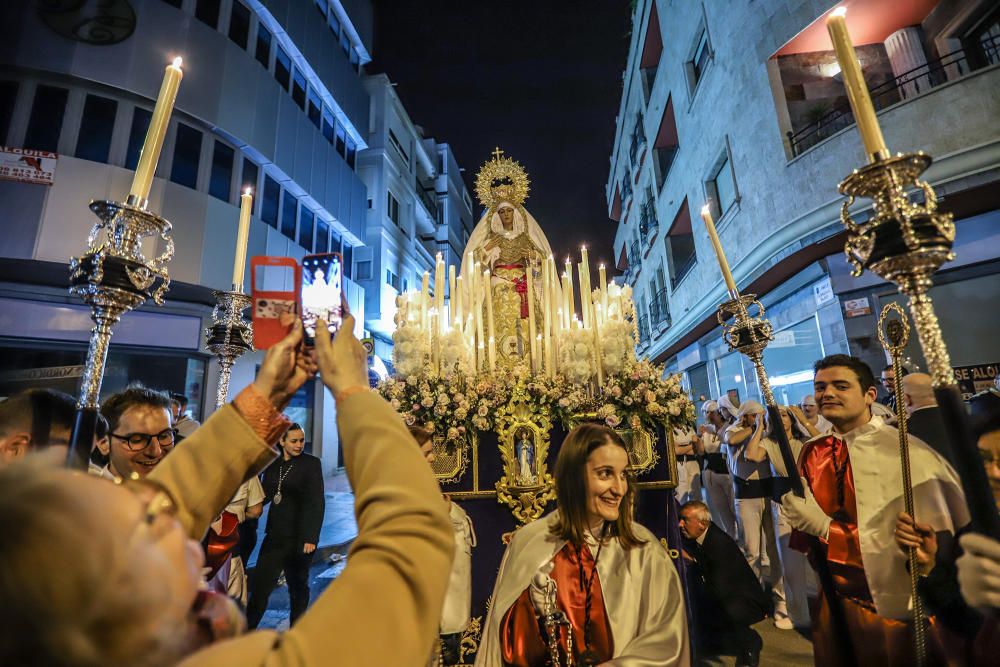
[(749, 658)]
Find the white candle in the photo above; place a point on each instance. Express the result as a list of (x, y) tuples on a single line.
[(602, 276), (459, 300), (706, 217), (493, 354), (598, 362), (452, 295), (488, 285), (439, 289), (531, 312), (153, 144), (585, 297), (242, 236), (854, 82), (425, 297)]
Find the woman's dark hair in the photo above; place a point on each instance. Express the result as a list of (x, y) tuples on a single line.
[(571, 487)]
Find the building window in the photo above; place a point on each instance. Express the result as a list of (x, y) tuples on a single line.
[(391, 279), (96, 128), (314, 108), (393, 208), (345, 43), (8, 95), (364, 269), (352, 153), (187, 153), (289, 207), (263, 50), (334, 23), (341, 140), (299, 89), (306, 220), (222, 171), (269, 207), (348, 260), (207, 11), (701, 56), (136, 136), (322, 236), (680, 248), (282, 68), (394, 140), (329, 126), (335, 242), (239, 25), (725, 187), (249, 178), (46, 120)]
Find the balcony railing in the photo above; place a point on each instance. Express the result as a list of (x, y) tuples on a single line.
[(428, 201), (909, 84), (659, 311), (685, 266), (643, 330)]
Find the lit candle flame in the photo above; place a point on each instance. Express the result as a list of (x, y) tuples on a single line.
[(178, 61)]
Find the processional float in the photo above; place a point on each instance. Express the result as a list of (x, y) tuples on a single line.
[(517, 355)]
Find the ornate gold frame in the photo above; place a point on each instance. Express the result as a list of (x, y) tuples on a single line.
[(526, 502), (642, 455), (449, 468)]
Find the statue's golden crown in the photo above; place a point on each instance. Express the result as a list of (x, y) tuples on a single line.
[(501, 179)]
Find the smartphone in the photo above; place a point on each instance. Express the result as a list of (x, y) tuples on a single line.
[(322, 292), (275, 285)]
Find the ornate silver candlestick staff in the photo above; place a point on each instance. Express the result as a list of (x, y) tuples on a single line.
[(113, 277), (229, 337), (750, 334)]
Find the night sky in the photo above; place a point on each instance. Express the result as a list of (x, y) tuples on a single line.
[(540, 79)]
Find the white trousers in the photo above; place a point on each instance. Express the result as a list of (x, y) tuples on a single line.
[(758, 520), (796, 574), (718, 489), (688, 481)]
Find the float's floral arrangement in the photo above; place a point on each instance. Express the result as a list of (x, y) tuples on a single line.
[(638, 397)]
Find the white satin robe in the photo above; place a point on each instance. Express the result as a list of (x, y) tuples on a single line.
[(642, 596)]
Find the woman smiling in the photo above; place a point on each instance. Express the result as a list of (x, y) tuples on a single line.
[(608, 576)]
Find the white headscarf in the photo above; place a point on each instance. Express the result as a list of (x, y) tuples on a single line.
[(522, 220)]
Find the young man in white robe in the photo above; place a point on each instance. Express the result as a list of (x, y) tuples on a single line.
[(608, 576), (847, 521)]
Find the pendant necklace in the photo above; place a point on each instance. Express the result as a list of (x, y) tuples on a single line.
[(282, 474), (589, 656)]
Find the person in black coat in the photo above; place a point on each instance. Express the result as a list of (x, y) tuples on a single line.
[(294, 486), (727, 596), (924, 416)]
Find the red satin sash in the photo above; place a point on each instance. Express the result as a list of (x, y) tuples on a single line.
[(220, 545), (520, 286), (522, 643)]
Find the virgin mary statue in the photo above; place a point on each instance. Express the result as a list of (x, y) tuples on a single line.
[(509, 243)]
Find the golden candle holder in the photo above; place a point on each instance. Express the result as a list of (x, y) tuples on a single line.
[(905, 242)]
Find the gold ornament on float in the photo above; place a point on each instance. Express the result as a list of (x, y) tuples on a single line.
[(501, 179), (526, 486)]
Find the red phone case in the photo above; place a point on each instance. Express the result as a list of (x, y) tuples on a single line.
[(269, 304)]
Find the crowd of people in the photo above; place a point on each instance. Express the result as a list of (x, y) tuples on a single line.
[(160, 531)]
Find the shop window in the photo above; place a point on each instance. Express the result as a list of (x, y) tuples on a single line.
[(322, 236), (46, 120), (221, 176), (314, 108), (136, 136), (282, 68), (299, 89), (789, 359), (96, 128), (8, 96), (262, 52), (306, 220), (734, 373), (249, 178), (187, 154), (239, 25), (207, 11), (289, 207), (269, 205)]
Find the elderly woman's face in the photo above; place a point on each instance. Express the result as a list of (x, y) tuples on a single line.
[(159, 550)]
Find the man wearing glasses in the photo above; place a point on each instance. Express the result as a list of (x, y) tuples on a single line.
[(140, 432)]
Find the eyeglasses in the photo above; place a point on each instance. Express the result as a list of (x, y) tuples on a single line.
[(156, 503), (136, 442), (886, 380)]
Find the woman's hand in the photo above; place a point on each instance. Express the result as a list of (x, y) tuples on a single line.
[(343, 362), (286, 367), (921, 537)]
